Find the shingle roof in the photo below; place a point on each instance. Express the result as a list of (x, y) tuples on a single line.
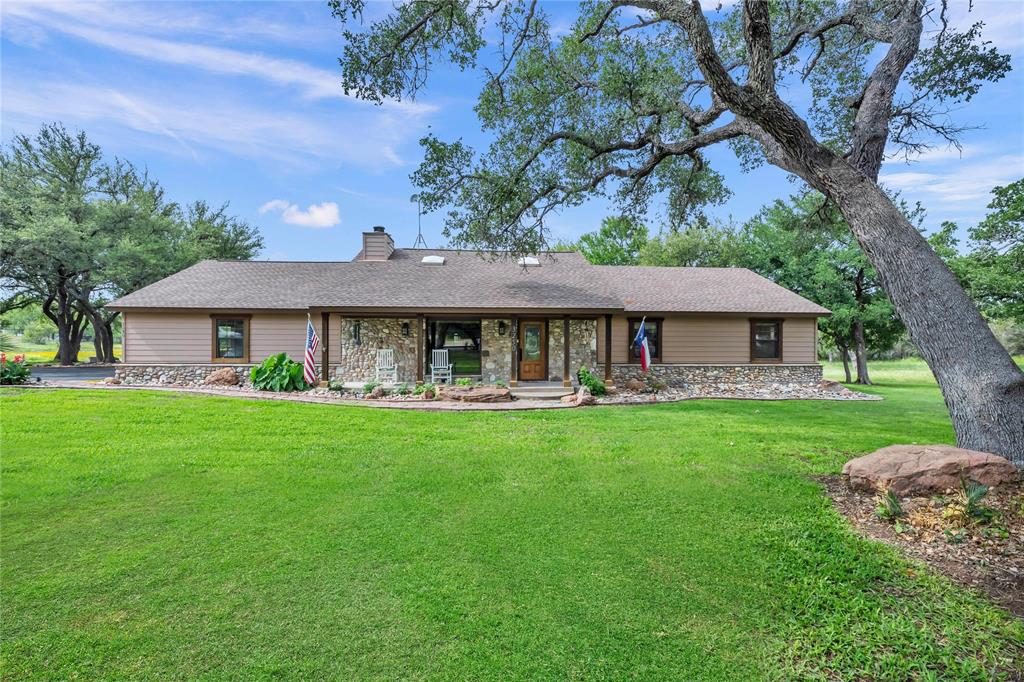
[(468, 279), (719, 290)]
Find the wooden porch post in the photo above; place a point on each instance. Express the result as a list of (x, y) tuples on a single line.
[(608, 350), (325, 348), (514, 379), (420, 340), (566, 379)]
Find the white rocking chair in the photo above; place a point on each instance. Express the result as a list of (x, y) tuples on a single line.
[(440, 368), (387, 366)]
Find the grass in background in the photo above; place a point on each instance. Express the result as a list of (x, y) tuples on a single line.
[(43, 353), (171, 535)]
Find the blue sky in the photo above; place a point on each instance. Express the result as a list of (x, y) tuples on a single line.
[(241, 102)]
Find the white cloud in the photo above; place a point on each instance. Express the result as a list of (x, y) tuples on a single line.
[(198, 122), (957, 183), (315, 82), (316, 215)]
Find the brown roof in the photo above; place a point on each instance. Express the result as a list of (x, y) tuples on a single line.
[(469, 280), (718, 290)]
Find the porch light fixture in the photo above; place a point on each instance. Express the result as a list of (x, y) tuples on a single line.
[(501, 328), (355, 334), (405, 329)]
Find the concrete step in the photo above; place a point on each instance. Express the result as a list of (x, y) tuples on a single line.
[(541, 392)]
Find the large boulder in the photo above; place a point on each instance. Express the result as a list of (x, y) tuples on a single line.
[(476, 394), (222, 377), (910, 470), (635, 385)]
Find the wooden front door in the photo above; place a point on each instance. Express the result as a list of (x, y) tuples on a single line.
[(533, 344)]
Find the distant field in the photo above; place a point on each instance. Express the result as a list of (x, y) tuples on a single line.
[(36, 353)]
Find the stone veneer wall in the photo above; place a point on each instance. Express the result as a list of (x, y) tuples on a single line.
[(582, 346), (358, 363), (495, 351), (680, 375), (177, 375)]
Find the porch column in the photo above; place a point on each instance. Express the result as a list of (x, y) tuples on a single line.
[(325, 348), (608, 350), (566, 379), (514, 379), (420, 340)]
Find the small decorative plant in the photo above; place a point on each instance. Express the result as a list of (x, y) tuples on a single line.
[(967, 507), (425, 391), (500, 384), (464, 381), (889, 507), (13, 371), (593, 384), (278, 373), (369, 386), (336, 385), (402, 389)]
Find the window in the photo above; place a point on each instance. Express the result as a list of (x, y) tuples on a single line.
[(652, 328), (231, 338), (766, 340)]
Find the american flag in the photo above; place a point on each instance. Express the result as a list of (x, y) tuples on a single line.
[(312, 343)]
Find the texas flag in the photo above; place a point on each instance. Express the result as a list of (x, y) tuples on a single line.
[(641, 342)]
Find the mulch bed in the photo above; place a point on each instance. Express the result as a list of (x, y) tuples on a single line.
[(987, 557)]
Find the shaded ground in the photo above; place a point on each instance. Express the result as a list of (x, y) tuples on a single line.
[(987, 557), (73, 373)]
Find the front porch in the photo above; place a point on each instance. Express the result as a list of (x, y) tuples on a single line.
[(544, 350)]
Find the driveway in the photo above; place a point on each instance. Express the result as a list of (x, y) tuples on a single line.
[(73, 373)]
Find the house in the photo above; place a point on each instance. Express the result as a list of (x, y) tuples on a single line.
[(536, 319)]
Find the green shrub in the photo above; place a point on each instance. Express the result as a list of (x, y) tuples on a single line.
[(402, 389), (13, 371), (369, 386), (464, 381), (889, 507), (593, 384), (500, 384), (423, 388), (278, 373), (336, 385)]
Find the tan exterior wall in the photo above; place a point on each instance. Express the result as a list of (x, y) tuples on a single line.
[(175, 338), (707, 339)]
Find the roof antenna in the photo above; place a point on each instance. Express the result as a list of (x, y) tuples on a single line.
[(420, 243)]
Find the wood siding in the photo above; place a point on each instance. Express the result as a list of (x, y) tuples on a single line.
[(707, 339), (175, 338)]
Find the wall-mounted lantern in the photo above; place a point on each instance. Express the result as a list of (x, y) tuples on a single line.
[(501, 328), (356, 337), (405, 329)]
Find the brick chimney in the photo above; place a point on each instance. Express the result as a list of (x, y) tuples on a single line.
[(377, 245)]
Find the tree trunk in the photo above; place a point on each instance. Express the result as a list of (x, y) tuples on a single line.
[(860, 353), (846, 363), (70, 327), (982, 387)]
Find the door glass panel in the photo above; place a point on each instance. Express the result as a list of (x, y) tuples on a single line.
[(531, 342)]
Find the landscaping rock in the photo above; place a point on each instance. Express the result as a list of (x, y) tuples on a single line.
[(222, 377), (584, 396), (831, 386), (921, 469), (476, 394), (377, 393), (635, 385), (569, 399), (112, 380)]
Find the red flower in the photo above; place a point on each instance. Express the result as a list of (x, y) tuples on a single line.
[(3, 358), (19, 358)]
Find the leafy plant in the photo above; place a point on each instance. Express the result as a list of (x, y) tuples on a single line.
[(464, 381), (593, 384), (14, 371), (500, 384), (369, 386), (889, 507), (955, 536), (278, 373), (967, 504), (425, 388), (402, 389), (336, 385)]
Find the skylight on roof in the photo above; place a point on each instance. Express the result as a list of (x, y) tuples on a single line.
[(433, 260), (529, 262)]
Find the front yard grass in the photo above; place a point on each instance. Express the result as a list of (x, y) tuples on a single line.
[(158, 535)]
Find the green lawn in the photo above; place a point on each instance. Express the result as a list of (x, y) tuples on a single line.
[(155, 535)]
